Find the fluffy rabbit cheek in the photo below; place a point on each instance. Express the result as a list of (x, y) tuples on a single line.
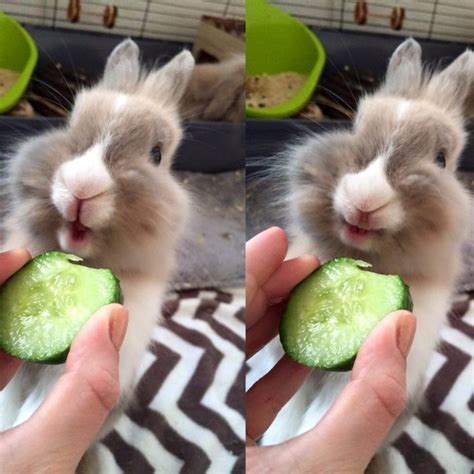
[(367, 205)]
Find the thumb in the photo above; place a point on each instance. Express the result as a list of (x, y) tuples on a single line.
[(79, 403), (365, 411)]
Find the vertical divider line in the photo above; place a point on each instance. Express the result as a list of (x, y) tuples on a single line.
[(45, 7), (226, 8), (341, 16), (55, 13), (433, 16), (145, 18)]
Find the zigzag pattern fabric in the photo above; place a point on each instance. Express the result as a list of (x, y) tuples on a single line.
[(189, 411), (440, 438)]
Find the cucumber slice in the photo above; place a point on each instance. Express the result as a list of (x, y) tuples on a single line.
[(332, 311), (44, 305)]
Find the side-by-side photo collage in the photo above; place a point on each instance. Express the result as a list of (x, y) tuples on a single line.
[(236, 237)]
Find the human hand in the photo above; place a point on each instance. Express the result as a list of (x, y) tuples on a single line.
[(55, 438), (350, 433)]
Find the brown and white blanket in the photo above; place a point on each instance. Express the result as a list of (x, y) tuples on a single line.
[(440, 437), (189, 411)]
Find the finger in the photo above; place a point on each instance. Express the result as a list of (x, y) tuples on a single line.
[(78, 405), (264, 330), (263, 255), (271, 393), (369, 404), (8, 367), (288, 275), (11, 261), (279, 285)]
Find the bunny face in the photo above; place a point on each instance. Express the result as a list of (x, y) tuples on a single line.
[(103, 183), (404, 159), (113, 172), (388, 184)]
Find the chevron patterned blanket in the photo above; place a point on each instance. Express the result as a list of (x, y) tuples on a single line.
[(440, 437), (188, 415), (189, 411)]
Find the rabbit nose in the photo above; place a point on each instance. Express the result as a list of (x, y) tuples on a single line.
[(364, 216), (79, 205), (86, 176), (358, 217), (84, 191), (73, 210)]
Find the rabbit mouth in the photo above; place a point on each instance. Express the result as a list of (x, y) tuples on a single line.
[(358, 234), (76, 238), (78, 235), (78, 230)]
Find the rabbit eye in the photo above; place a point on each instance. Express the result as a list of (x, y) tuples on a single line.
[(440, 159), (156, 155)]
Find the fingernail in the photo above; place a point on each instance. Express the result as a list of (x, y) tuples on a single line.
[(118, 322), (406, 325), (310, 258)]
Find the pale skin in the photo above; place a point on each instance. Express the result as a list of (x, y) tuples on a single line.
[(74, 411), (348, 436)]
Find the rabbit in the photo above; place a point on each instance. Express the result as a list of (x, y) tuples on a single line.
[(101, 188), (385, 192), (216, 91)]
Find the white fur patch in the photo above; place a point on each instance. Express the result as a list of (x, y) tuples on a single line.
[(62, 198), (369, 191), (120, 103), (87, 176), (366, 190), (402, 109), (84, 177)]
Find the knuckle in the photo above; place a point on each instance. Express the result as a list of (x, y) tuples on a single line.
[(103, 386), (390, 394), (274, 403)]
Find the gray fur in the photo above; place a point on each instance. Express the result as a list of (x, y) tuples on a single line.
[(123, 67), (171, 80), (435, 202), (146, 196), (143, 192), (454, 86), (404, 72)]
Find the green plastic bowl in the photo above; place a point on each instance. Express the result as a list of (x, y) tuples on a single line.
[(18, 53), (276, 42)]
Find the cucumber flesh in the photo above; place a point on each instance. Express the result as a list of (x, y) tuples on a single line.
[(44, 305), (331, 312)]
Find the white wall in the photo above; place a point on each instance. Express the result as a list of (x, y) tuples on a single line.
[(178, 19), (451, 20), (166, 19)]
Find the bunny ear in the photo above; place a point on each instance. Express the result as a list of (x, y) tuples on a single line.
[(123, 66), (454, 86), (404, 72), (170, 81)]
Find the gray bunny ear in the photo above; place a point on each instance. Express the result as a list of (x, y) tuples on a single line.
[(454, 86), (123, 66), (170, 81), (405, 70)]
